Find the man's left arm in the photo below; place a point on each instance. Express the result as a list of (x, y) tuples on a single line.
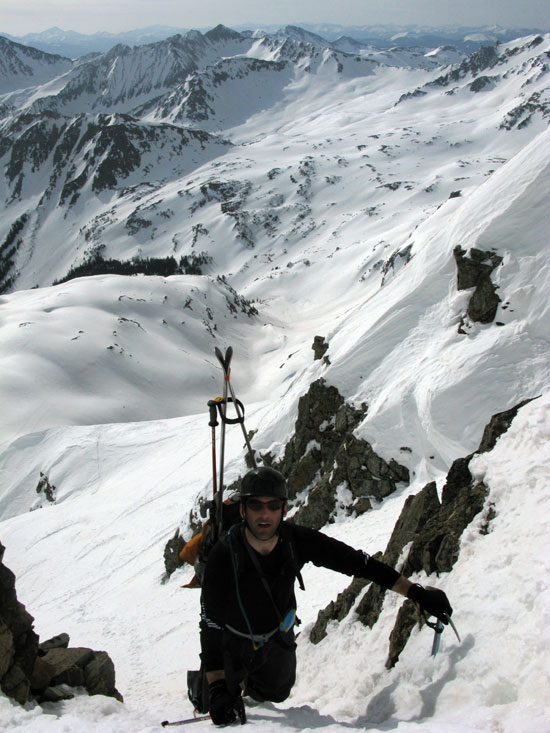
[(328, 552)]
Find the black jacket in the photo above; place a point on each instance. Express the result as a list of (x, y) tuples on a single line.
[(230, 559)]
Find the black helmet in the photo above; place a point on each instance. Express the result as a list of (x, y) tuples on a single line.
[(264, 481)]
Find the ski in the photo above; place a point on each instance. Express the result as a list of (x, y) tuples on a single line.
[(221, 404), (225, 362), (185, 721)]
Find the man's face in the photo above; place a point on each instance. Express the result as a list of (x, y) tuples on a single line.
[(264, 515)]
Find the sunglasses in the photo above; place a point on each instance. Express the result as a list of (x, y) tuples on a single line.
[(256, 505)]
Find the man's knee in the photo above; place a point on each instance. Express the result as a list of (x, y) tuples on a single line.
[(280, 695), (272, 695)]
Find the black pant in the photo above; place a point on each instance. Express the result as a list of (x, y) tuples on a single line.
[(268, 673)]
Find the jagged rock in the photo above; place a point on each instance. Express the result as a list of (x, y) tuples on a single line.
[(19, 642), (362, 505), (483, 58), (42, 674), (320, 347), (433, 529), (482, 82), (414, 516), (315, 426), (407, 618), (475, 272), (324, 456), (15, 684), (355, 466), (99, 676), (337, 610), (172, 550), (61, 641), (484, 302), (436, 547), (498, 425), (459, 475), (320, 505), (44, 671), (478, 266), (6, 648), (68, 665), (45, 486)]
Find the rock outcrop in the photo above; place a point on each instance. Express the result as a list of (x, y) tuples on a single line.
[(18, 641), (475, 272), (431, 528), (44, 672), (327, 466), (320, 347)]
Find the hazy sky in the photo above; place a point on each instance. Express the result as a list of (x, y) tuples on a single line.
[(18, 17)]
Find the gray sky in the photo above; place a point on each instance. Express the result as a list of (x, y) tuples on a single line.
[(18, 17)]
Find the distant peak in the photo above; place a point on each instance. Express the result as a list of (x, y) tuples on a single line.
[(221, 32)]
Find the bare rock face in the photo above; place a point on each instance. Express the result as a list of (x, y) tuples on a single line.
[(325, 457), (49, 671)]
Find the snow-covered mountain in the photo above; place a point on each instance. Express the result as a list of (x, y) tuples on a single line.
[(75, 45), (21, 66), (317, 192), (466, 39)]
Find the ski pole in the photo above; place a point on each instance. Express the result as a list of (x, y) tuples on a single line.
[(185, 721), (213, 422)]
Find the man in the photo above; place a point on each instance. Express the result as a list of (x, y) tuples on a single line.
[(248, 601)]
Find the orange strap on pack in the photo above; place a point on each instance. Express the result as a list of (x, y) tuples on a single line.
[(190, 550)]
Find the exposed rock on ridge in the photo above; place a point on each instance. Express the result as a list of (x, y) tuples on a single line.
[(475, 272), (327, 466), (433, 529)]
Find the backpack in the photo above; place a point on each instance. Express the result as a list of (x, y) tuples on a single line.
[(195, 552)]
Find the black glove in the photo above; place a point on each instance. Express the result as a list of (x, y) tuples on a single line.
[(432, 601), (222, 704)]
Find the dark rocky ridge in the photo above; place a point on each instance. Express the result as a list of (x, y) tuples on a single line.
[(433, 529), (325, 455)]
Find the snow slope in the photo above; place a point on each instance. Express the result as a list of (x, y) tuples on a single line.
[(105, 540), (104, 383)]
